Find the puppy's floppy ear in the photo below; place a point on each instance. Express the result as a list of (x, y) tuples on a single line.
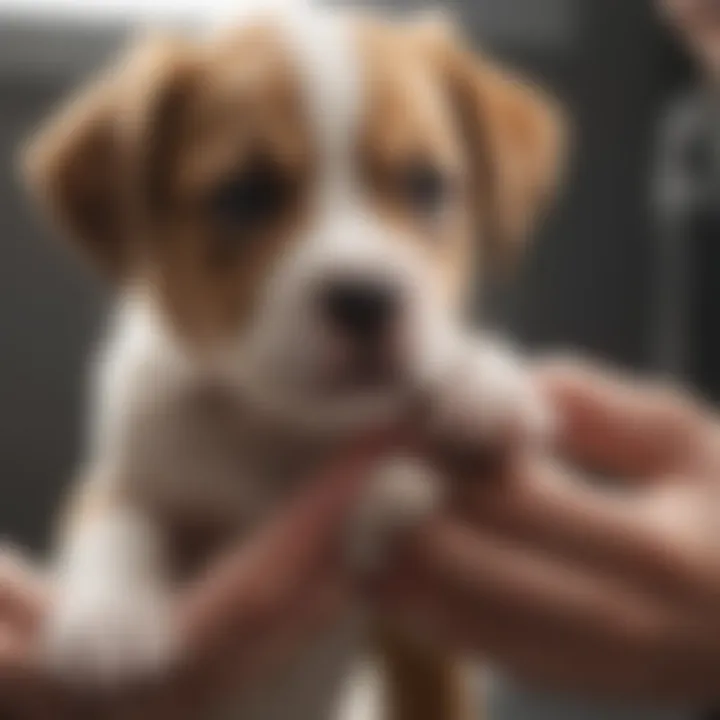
[(515, 132), (88, 166), (72, 167), (519, 138)]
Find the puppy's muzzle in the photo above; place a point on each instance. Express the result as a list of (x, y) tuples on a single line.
[(361, 310), (364, 315)]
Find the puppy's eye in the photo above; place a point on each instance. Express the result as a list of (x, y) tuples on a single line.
[(425, 188), (254, 198)]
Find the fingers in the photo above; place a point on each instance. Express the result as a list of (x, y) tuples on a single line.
[(620, 424), (271, 646), (245, 660), (16, 662), (315, 611), (514, 588), (537, 657), (24, 690), (548, 620), (23, 592), (22, 598), (260, 581), (543, 506)]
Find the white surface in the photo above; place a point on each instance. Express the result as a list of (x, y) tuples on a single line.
[(111, 10), (544, 23)]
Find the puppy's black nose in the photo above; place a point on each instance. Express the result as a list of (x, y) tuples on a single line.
[(360, 308)]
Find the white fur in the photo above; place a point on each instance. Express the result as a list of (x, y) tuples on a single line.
[(403, 492), (152, 443), (486, 396), (138, 363), (112, 619), (287, 348), (324, 47)]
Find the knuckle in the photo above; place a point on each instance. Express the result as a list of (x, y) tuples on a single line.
[(7, 585), (681, 410), (681, 420)]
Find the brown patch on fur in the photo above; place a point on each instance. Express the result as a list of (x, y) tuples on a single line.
[(71, 166), (496, 140), (249, 104), (515, 132), (499, 140), (421, 682), (407, 120), (131, 167)]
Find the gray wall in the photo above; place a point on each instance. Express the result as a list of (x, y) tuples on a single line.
[(49, 312)]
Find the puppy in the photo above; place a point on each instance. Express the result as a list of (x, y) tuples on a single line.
[(291, 213)]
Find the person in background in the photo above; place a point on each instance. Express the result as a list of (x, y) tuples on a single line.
[(686, 207)]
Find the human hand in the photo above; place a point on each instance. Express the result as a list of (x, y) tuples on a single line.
[(25, 693), (580, 586), (253, 608)]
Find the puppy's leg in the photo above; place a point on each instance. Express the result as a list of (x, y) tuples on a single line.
[(111, 621), (486, 399), (412, 679), (403, 492)]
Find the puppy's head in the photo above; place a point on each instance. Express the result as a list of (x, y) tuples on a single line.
[(305, 198)]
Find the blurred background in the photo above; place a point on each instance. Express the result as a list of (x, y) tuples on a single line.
[(623, 269)]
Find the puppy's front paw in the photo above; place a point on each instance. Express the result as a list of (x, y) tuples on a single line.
[(403, 492), (101, 634), (489, 402)]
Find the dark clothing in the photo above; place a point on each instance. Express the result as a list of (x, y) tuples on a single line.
[(686, 208)]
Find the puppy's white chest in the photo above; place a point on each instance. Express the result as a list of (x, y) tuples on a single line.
[(193, 451)]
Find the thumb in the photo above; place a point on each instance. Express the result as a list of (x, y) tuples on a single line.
[(263, 577)]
